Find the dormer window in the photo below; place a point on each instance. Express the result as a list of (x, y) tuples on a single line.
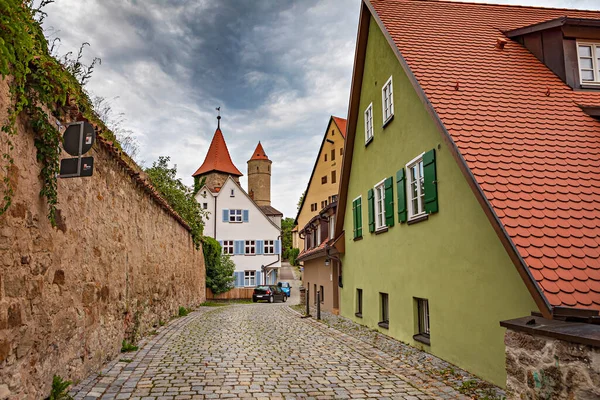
[(589, 62)]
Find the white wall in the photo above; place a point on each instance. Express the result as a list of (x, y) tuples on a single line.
[(258, 227), (205, 196)]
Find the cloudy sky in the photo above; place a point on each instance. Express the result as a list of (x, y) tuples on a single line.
[(278, 69)]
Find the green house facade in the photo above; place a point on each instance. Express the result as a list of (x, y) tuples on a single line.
[(421, 261)]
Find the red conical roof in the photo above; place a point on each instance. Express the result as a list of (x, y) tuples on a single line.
[(218, 158), (259, 153)]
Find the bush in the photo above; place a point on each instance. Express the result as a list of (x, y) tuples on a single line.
[(292, 255), (126, 347), (183, 311), (219, 267)]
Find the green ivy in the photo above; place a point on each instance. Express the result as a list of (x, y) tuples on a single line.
[(39, 83)]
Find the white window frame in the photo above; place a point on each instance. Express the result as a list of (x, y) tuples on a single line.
[(423, 315), (250, 247), (359, 197), (412, 213), (269, 247), (379, 208), (595, 49), (228, 247), (236, 216), (250, 278), (369, 124), (390, 97)]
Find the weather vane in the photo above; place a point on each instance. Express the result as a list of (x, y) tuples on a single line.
[(218, 116)]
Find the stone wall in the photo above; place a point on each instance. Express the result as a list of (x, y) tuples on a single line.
[(540, 367), (117, 264)]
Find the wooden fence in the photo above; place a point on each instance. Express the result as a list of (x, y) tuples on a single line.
[(233, 294)]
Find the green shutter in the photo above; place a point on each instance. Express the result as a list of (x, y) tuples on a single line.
[(371, 199), (430, 182), (354, 220), (359, 217), (389, 201), (401, 189)]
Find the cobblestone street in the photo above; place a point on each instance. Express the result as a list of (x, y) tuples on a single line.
[(255, 351)]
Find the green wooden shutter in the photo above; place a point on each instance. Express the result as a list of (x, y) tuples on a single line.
[(430, 182), (354, 220), (389, 201), (359, 217), (401, 189), (371, 199)]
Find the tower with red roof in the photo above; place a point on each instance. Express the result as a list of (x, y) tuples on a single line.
[(217, 165), (259, 177)]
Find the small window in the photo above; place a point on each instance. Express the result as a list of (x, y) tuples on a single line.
[(385, 310), (232, 193), (249, 278), (359, 302), (589, 62), (415, 190), (324, 180), (250, 247), (387, 100), (342, 151), (423, 321), (228, 247), (333, 177), (332, 132), (332, 227), (205, 206), (334, 198), (380, 205), (332, 154), (369, 123), (315, 293), (323, 204), (235, 215), (325, 157), (322, 295), (269, 247)]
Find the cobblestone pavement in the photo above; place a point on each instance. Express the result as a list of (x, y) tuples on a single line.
[(254, 351)]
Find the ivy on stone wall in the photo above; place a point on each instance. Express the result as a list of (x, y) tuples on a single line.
[(39, 85)]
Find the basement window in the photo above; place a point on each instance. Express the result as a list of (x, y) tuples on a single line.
[(423, 321), (589, 62), (384, 310)]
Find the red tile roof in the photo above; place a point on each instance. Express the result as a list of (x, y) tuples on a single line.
[(259, 153), (218, 158), (341, 124), (312, 251), (532, 150)]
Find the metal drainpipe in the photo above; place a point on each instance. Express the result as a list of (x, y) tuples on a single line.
[(336, 258), (264, 267), (215, 218)]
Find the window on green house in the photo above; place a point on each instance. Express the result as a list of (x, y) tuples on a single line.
[(416, 189), (359, 303), (357, 216), (379, 205), (384, 307), (387, 101), (369, 124), (422, 321)]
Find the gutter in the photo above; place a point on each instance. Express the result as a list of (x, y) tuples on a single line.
[(264, 267)]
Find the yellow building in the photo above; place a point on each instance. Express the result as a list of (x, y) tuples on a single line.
[(323, 184)]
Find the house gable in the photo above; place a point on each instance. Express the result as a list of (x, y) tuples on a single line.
[(454, 258), (316, 191)]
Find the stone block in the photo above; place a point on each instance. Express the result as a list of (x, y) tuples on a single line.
[(59, 277), (4, 349), (14, 286), (14, 315), (89, 293)]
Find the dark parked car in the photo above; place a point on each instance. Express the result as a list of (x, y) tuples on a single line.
[(285, 286), (269, 293)]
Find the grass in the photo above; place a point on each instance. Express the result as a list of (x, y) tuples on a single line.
[(125, 360), (127, 347), (183, 311), (161, 323), (222, 303), (59, 389)]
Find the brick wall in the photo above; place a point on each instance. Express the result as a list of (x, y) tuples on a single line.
[(117, 264)]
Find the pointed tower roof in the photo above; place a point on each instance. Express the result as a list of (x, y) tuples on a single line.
[(259, 153), (218, 158)]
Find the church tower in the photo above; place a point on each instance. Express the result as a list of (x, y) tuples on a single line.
[(259, 177), (217, 165)]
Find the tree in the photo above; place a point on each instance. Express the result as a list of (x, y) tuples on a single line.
[(219, 267), (287, 224), (179, 196), (300, 200)]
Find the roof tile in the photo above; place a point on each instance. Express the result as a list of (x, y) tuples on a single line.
[(530, 147)]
